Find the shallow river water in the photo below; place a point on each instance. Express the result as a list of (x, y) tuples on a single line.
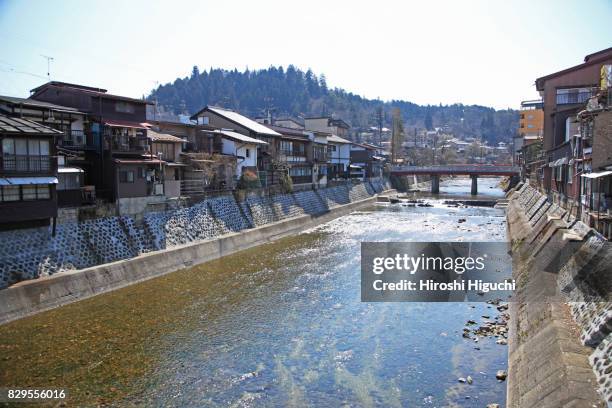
[(277, 325)]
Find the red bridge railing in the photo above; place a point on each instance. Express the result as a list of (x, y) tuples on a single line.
[(459, 169)]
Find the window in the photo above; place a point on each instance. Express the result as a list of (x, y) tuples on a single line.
[(248, 153), (124, 107), (574, 95), (570, 174), (571, 128), (166, 150), (299, 149), (28, 193), (319, 152), (68, 181), (26, 154), (8, 146), (126, 176), (43, 192), (300, 171), (10, 193), (21, 147), (286, 146), (558, 170)]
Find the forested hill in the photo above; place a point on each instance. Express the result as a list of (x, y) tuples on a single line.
[(297, 93)]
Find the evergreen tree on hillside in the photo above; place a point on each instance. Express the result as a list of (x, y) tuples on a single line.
[(428, 120), (294, 92)]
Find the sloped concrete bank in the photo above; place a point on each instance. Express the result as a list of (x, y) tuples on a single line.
[(560, 343), (34, 296)]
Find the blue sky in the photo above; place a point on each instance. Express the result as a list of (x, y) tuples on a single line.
[(437, 51)]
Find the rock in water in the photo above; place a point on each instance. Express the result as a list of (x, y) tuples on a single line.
[(501, 375), (461, 379), (469, 380), (492, 405)]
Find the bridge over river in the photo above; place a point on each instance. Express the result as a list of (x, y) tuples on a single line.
[(472, 170)]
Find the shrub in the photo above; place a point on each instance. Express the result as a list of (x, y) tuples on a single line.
[(248, 180), (286, 184)]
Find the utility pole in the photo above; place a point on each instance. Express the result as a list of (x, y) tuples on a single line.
[(269, 108), (435, 144), (397, 135), (156, 107), (49, 59), (379, 114)]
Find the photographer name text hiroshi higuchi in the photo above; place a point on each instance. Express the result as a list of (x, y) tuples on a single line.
[(435, 271)]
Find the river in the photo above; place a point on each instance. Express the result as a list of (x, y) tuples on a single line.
[(277, 325)]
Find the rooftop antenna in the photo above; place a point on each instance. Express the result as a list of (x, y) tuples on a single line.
[(49, 59)]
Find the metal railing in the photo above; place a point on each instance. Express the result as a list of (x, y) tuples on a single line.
[(73, 138), (485, 169), (575, 96), (131, 146), (292, 153), (27, 164)]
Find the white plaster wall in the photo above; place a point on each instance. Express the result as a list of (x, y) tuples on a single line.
[(234, 148)]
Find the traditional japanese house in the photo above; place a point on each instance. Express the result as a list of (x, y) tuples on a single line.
[(28, 173)]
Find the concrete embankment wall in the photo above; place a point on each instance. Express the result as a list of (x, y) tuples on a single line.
[(183, 238), (560, 348)]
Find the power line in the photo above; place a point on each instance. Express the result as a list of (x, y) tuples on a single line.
[(14, 71)]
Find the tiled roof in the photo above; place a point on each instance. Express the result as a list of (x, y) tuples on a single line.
[(90, 90), (24, 127), (163, 137), (32, 102), (337, 139), (285, 131), (239, 136), (239, 119)]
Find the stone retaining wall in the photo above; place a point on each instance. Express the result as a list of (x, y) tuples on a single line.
[(561, 321), (32, 253), (34, 296)]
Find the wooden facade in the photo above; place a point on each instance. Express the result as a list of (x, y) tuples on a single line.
[(28, 173)]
